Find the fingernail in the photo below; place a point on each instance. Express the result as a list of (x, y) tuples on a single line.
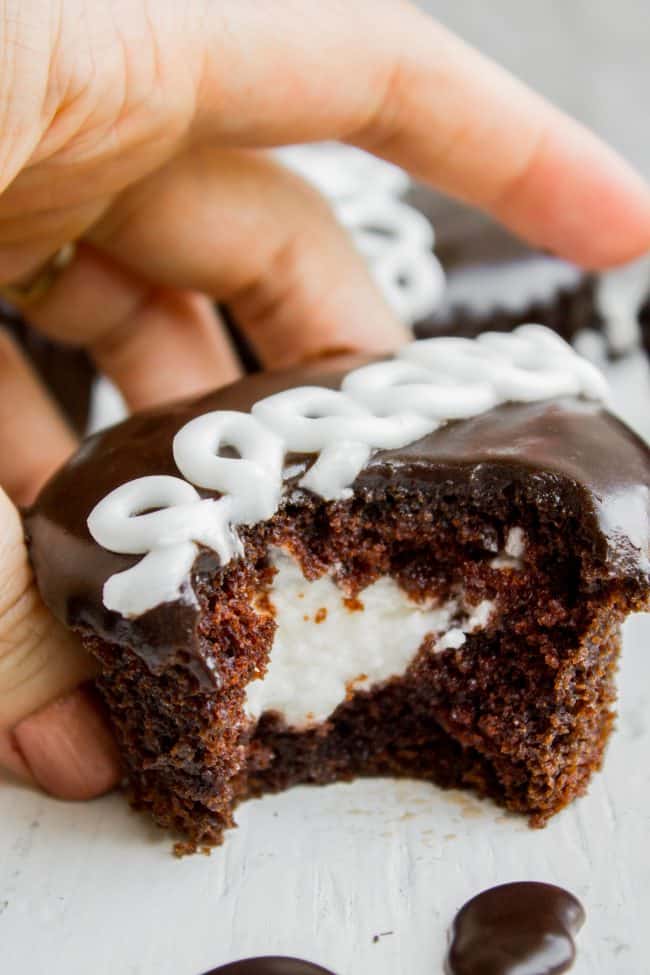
[(68, 747)]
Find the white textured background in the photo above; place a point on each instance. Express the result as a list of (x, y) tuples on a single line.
[(320, 872), (589, 56)]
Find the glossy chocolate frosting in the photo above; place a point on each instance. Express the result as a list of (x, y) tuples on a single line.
[(516, 929), (575, 458), (270, 966)]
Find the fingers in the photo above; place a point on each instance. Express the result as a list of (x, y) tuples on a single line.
[(247, 231), (66, 747), (154, 343), (172, 347), (241, 73), (425, 100), (69, 748), (34, 437), (39, 659)]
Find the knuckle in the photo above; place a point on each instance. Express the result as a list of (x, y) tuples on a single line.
[(22, 653), (384, 121), (37, 661), (515, 183)]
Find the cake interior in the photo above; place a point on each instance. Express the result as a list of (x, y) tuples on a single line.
[(397, 633)]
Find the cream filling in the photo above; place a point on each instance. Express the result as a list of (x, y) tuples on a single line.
[(326, 646), (512, 556)]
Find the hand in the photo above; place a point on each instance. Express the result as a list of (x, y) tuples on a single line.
[(140, 126)]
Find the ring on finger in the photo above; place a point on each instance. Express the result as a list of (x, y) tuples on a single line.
[(37, 285)]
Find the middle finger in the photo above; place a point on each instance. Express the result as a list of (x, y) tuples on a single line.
[(241, 227)]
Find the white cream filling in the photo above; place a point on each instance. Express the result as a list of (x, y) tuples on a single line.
[(512, 556), (326, 646)]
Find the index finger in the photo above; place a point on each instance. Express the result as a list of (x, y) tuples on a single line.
[(384, 76)]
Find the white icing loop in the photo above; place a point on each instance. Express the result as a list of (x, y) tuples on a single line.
[(395, 238), (118, 523), (167, 535), (536, 347), (309, 418), (397, 241), (386, 387), (253, 478), (384, 405)]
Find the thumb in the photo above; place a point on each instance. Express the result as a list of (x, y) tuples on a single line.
[(51, 730)]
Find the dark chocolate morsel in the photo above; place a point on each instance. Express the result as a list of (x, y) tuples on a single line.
[(270, 966), (516, 929)]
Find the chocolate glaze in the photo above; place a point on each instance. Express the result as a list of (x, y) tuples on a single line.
[(516, 929), (270, 966), (591, 473)]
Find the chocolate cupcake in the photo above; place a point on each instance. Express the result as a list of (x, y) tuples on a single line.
[(410, 567), (495, 281)]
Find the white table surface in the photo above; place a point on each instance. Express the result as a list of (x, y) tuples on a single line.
[(320, 872)]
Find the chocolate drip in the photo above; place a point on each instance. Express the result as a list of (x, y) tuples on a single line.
[(270, 966), (516, 929)]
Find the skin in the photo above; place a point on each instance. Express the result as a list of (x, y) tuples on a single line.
[(140, 127)]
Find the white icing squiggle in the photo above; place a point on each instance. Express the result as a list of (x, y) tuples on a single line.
[(396, 239), (311, 419), (385, 405), (166, 537)]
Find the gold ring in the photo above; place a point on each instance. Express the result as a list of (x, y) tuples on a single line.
[(37, 285)]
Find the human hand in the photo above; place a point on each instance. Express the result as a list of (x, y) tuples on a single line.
[(138, 126)]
